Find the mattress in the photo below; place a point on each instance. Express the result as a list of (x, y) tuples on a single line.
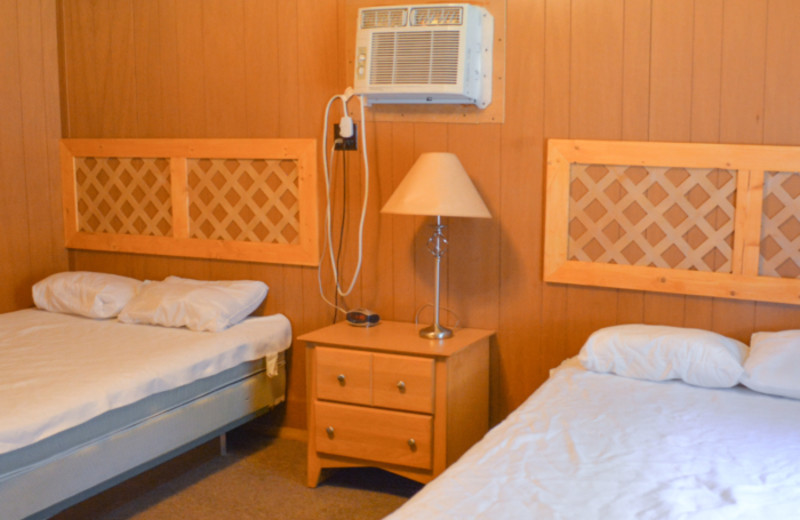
[(58, 371), (588, 445)]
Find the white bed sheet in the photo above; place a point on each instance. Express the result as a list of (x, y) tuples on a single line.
[(57, 370), (589, 445)]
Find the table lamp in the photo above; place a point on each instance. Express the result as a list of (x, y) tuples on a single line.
[(437, 186)]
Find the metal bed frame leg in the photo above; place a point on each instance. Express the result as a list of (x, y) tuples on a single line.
[(223, 444)]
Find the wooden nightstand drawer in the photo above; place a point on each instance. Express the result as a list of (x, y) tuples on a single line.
[(379, 435), (402, 382), (344, 375)]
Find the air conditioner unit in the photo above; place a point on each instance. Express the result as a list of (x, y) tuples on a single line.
[(431, 53)]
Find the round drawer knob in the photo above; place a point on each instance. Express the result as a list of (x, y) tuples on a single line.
[(401, 385), (329, 431), (341, 379), (412, 444)]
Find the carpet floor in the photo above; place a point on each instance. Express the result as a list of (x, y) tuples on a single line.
[(259, 478)]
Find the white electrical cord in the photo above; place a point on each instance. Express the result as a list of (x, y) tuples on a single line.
[(345, 130)]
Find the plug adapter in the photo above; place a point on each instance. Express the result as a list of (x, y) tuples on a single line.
[(344, 143)]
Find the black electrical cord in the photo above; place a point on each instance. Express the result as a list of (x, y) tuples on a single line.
[(341, 229)]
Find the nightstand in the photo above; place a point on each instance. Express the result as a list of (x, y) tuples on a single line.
[(385, 397)]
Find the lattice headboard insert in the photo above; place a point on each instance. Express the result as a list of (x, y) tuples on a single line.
[(123, 195), (780, 227), (716, 220), (229, 197), (251, 199), (675, 218)]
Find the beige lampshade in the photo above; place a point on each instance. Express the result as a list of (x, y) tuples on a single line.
[(437, 185)]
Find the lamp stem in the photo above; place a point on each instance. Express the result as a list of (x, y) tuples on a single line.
[(437, 245)]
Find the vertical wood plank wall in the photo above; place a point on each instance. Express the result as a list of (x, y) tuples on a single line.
[(31, 234), (684, 70)]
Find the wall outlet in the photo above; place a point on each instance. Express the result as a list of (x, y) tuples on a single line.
[(348, 143)]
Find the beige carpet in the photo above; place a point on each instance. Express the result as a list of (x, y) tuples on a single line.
[(260, 478)]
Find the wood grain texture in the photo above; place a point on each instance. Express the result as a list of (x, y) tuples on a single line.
[(726, 72), (30, 202)]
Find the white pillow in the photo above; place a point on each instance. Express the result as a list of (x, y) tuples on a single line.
[(94, 295), (773, 366), (657, 353), (194, 304)]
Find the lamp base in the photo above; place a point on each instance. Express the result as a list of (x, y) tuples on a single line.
[(435, 331)]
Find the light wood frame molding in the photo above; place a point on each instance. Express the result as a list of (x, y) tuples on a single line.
[(249, 200), (742, 276)]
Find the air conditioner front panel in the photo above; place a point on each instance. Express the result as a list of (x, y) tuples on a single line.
[(415, 58)]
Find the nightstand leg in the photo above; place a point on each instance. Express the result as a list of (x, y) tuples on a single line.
[(314, 470)]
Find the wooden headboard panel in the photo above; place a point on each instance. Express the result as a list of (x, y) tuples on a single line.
[(685, 218), (234, 199)]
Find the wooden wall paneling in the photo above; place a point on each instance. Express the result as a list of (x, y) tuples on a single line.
[(595, 112), (261, 82), (706, 71), (287, 74), (223, 56), (156, 63), (377, 292), (636, 70), (404, 230), (556, 118), (517, 364), (474, 244), (103, 101), (741, 118), (671, 70), (670, 112), (38, 129), (782, 75), (50, 21), (191, 71), (13, 196)]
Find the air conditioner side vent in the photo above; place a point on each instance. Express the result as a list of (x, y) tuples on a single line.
[(437, 16), (383, 18)]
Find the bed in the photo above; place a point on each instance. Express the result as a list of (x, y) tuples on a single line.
[(91, 400), (599, 443)]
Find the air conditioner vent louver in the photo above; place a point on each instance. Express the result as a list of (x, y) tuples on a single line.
[(427, 16), (382, 18), (440, 53), (421, 58)]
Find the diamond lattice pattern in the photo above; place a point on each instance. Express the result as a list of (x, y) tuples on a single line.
[(123, 195), (780, 227), (677, 218), (228, 198)]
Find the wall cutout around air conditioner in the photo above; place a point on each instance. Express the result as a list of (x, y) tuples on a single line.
[(425, 53)]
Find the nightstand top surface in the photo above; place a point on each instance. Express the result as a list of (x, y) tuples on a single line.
[(393, 336)]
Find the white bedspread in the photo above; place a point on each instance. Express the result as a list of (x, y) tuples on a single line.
[(597, 446), (57, 371)]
